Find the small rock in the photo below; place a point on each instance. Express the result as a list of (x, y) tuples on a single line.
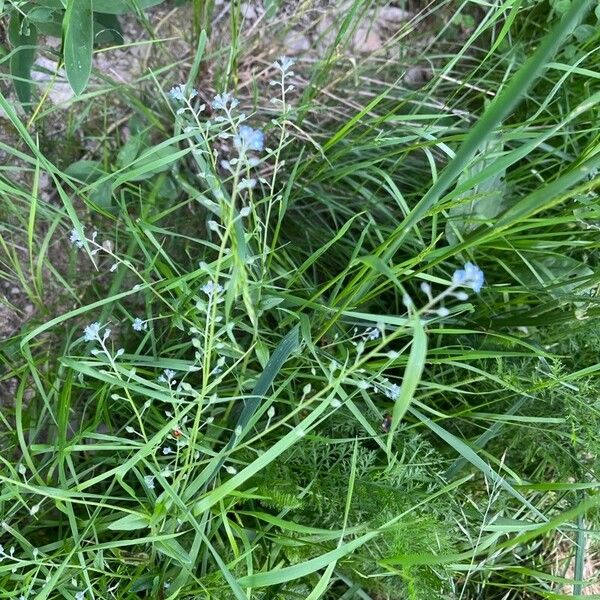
[(296, 43), (391, 14), (367, 40), (47, 74), (416, 76), (248, 11)]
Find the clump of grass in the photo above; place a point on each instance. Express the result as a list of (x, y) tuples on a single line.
[(319, 357)]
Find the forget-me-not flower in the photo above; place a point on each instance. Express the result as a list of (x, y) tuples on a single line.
[(220, 101), (470, 276), (178, 93), (211, 288), (139, 325), (249, 139), (90, 333), (76, 238), (285, 63), (167, 376), (393, 392)]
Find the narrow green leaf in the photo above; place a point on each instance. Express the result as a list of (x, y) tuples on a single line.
[(286, 574), (412, 376), (287, 345), (78, 42)]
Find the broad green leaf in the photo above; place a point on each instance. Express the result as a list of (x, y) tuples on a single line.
[(173, 549), (111, 7), (23, 36), (558, 275), (47, 20), (78, 41), (287, 345), (485, 200), (130, 523), (107, 29), (119, 7)]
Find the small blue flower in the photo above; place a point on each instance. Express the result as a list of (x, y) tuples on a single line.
[(178, 93), (90, 333), (249, 139), (167, 376), (285, 63), (471, 276), (393, 392), (76, 238), (220, 101), (211, 288), (139, 325)]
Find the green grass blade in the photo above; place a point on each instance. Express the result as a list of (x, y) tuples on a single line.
[(496, 112)]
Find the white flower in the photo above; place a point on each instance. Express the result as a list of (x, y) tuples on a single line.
[(80, 595), (166, 450), (335, 403), (244, 212), (34, 509), (149, 481), (231, 470), (90, 333), (139, 325), (220, 101), (76, 238), (211, 288)]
